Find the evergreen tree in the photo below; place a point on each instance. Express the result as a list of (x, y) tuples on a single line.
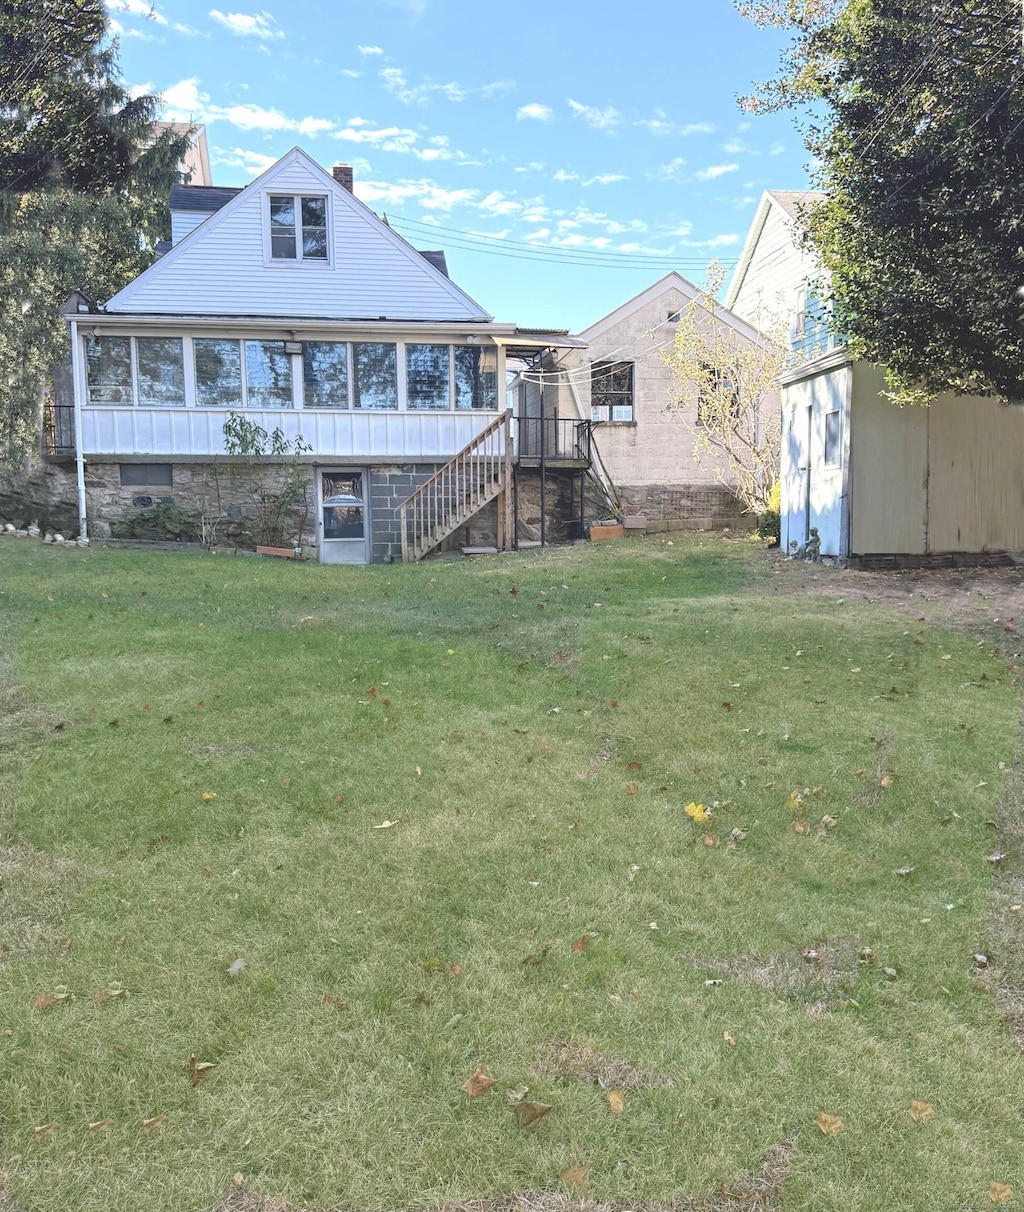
[(912, 113), (84, 180)]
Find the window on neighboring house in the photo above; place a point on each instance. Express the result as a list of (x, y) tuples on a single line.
[(108, 370), (476, 377), (375, 378), (428, 376), (673, 317), (611, 391), (833, 435), (715, 392), (298, 228), (325, 374)]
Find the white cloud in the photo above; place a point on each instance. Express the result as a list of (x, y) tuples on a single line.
[(370, 50), (598, 119), (148, 12), (183, 102), (395, 81), (776, 149), (673, 170), (535, 112), (736, 147), (425, 193), (497, 204), (253, 162), (347, 71), (562, 175), (119, 31), (722, 241), (662, 125), (248, 25), (605, 179), (715, 170)]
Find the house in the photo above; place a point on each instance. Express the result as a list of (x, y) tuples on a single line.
[(882, 485), (291, 304), (646, 433)]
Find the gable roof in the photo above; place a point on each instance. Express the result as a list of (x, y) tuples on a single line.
[(671, 280), (375, 275), (794, 204), (202, 199)]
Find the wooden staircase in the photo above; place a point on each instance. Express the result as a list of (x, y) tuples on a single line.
[(479, 473)]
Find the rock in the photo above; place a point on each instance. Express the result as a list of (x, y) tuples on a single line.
[(9, 527), (21, 534), (34, 530), (82, 542), (48, 537), (70, 543), (58, 538)]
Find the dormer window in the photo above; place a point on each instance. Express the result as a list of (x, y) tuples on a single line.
[(298, 228)]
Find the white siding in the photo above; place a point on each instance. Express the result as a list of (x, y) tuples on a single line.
[(223, 270), (184, 432), (778, 268), (182, 222)]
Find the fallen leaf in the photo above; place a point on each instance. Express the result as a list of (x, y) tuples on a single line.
[(478, 1084), (634, 871), (238, 1179), (454, 971), (616, 1101), (418, 772), (197, 1069), (632, 788), (711, 839), (209, 795), (794, 801), (286, 783), (121, 940), (831, 1125), (729, 1038), (329, 999), (634, 767), (904, 870), (886, 782), (580, 945), (802, 826), (339, 799), (527, 1114), (43, 1000), (103, 995), (920, 1112), (1000, 1193), (45, 1129), (154, 1122), (99, 1125), (697, 812), (996, 857), (518, 1094), (386, 825), (372, 692), (575, 1176)]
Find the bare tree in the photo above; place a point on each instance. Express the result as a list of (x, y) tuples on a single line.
[(734, 381)]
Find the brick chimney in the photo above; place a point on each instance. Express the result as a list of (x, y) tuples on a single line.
[(342, 173)]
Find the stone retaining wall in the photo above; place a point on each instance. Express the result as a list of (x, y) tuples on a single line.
[(686, 507)]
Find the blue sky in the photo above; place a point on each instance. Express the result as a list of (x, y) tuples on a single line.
[(565, 155)]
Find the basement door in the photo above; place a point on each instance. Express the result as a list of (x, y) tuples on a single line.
[(344, 517)]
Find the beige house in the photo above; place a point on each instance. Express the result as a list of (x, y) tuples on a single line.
[(882, 485), (645, 439)]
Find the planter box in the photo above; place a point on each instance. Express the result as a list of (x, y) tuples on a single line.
[(283, 553), (600, 533)]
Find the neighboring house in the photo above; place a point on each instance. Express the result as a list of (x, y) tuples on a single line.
[(292, 303), (881, 484), (643, 427)]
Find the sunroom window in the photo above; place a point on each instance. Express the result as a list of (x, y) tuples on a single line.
[(427, 376), (375, 383), (268, 375), (161, 372), (325, 374), (298, 228), (476, 377), (218, 373), (108, 369)]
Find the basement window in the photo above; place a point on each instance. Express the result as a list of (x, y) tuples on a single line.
[(153, 474)]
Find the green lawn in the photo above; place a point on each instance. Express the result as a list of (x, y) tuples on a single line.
[(534, 726)]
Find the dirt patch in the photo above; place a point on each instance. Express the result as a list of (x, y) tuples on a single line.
[(566, 1058), (759, 1190), (982, 601), (600, 759), (806, 974)]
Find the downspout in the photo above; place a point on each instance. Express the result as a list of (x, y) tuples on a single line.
[(76, 378)]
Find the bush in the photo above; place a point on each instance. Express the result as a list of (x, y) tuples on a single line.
[(769, 524)]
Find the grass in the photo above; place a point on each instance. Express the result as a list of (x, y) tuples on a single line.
[(534, 726)]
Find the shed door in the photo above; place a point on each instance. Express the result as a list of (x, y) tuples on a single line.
[(344, 518)]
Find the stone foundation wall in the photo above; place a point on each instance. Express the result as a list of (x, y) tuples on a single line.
[(931, 559), (686, 506)]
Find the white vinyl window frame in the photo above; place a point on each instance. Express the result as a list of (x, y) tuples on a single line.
[(298, 261), (133, 364), (191, 401)]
